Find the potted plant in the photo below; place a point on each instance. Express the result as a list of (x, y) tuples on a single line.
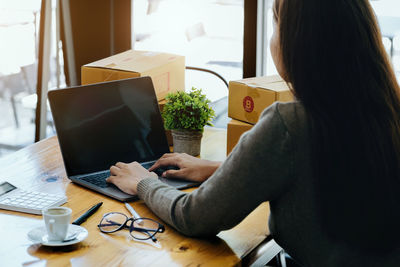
[(186, 114)]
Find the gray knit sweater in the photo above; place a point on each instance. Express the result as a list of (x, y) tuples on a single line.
[(272, 163)]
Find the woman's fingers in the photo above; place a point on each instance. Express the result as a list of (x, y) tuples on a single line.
[(114, 170), (120, 164), (168, 155), (174, 174), (110, 179), (155, 166), (162, 162)]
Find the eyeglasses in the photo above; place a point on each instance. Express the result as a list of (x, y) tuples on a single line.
[(139, 228)]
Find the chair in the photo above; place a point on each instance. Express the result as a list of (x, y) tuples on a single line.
[(12, 85), (209, 71), (16, 83), (29, 73), (264, 253), (220, 106)]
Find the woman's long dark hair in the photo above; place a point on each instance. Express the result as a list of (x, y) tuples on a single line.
[(336, 65)]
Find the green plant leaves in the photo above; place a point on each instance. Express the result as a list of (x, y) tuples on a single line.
[(187, 111)]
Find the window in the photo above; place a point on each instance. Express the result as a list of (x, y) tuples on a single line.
[(208, 32)]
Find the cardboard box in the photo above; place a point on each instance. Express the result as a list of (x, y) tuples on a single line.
[(234, 132), (166, 70), (168, 133), (249, 97)]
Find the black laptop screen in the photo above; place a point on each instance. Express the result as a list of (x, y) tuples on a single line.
[(101, 124)]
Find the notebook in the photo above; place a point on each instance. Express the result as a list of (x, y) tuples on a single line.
[(100, 124)]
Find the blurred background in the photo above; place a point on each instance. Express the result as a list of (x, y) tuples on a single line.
[(211, 34)]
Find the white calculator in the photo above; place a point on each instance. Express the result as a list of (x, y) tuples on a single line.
[(16, 199)]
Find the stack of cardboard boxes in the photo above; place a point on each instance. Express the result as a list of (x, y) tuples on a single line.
[(167, 71), (247, 99)]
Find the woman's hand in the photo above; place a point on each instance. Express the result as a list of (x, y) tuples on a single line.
[(127, 176), (190, 168)]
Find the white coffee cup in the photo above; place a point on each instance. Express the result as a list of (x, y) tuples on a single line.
[(57, 220)]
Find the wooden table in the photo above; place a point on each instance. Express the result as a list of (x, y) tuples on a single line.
[(39, 167)]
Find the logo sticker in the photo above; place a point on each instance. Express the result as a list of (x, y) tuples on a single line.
[(248, 104)]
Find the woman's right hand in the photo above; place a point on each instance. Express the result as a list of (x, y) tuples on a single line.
[(190, 168)]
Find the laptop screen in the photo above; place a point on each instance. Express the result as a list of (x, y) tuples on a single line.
[(100, 124)]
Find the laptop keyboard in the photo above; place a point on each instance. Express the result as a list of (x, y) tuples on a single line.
[(99, 179), (147, 165)]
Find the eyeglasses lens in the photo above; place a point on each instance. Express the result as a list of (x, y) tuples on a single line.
[(144, 228), (112, 222)]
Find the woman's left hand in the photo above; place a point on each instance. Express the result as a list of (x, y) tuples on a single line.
[(127, 176)]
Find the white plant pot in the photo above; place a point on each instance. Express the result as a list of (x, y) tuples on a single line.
[(186, 141)]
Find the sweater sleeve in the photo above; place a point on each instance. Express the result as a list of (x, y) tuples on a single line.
[(258, 169)]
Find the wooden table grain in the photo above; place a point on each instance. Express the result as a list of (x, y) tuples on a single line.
[(39, 167)]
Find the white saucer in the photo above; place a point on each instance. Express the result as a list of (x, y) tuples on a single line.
[(39, 235)]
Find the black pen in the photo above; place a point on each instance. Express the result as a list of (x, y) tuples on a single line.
[(87, 214)]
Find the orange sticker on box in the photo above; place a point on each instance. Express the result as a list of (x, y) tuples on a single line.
[(248, 104)]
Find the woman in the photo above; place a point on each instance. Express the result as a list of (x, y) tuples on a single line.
[(329, 163)]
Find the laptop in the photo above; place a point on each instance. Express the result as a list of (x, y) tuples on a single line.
[(101, 124)]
